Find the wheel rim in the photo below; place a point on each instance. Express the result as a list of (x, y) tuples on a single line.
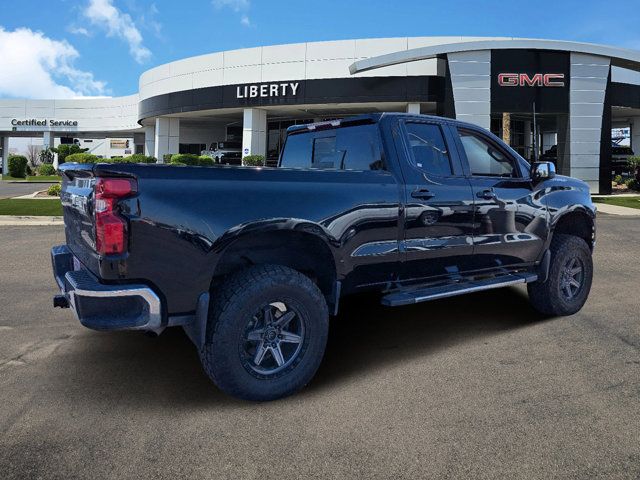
[(273, 339), (572, 278)]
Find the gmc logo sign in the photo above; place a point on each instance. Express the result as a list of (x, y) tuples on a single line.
[(537, 80)]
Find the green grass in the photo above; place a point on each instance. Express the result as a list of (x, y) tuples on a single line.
[(11, 206), (631, 202), (42, 178)]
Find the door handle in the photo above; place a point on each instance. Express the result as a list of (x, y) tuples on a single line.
[(422, 193), (488, 194)]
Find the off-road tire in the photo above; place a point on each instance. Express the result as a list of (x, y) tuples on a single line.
[(235, 303), (548, 297)]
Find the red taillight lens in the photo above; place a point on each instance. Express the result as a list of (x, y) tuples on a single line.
[(111, 228)]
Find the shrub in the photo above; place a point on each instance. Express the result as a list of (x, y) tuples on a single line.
[(253, 160), (140, 158), (54, 190), (46, 169), (632, 184), (137, 158), (82, 158), (205, 161), (18, 166), (64, 151), (617, 179), (178, 164), (634, 166), (186, 158), (29, 171), (166, 158)]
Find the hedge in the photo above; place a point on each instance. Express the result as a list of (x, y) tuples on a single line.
[(46, 169), (253, 160), (89, 158), (82, 158), (192, 160), (18, 166), (135, 158), (186, 158), (205, 161)]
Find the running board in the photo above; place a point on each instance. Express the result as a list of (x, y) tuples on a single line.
[(413, 295)]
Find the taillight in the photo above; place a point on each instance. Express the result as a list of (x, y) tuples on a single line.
[(111, 228)]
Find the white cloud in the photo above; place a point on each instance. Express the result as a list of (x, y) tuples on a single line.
[(78, 30), (35, 66), (238, 6), (103, 14), (235, 5)]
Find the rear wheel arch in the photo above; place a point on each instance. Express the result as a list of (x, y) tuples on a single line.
[(302, 251)]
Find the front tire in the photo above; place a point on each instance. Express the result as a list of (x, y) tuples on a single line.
[(266, 334), (570, 275)]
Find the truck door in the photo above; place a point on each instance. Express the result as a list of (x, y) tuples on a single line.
[(438, 210), (510, 220)]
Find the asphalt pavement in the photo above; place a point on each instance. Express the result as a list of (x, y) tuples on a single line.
[(15, 189), (468, 387)]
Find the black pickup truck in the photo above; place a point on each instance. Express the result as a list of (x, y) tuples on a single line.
[(251, 262)]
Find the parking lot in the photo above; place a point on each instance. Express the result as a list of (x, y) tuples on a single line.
[(468, 387)]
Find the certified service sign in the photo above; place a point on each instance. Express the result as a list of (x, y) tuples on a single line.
[(33, 122)]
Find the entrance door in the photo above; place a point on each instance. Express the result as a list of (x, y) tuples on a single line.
[(510, 220), (438, 214)]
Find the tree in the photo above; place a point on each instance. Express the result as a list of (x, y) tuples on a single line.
[(33, 154), (65, 150)]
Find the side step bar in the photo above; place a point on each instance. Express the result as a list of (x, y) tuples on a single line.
[(413, 295)]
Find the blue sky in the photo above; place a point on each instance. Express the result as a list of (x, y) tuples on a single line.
[(66, 48)]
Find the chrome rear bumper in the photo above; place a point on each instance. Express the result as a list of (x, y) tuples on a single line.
[(104, 307)]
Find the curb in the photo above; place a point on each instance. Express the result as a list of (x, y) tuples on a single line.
[(617, 210), (14, 220)]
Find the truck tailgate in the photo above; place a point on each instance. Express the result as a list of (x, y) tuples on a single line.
[(78, 202)]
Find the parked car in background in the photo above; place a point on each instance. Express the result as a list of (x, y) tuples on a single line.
[(227, 152), (619, 157)]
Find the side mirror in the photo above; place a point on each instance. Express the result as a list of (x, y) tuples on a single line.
[(542, 171)]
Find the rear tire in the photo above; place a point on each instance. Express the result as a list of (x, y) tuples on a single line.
[(570, 275), (266, 334)]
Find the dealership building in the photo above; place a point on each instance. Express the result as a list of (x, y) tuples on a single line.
[(551, 99)]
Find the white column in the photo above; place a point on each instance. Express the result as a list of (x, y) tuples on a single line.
[(413, 108), (47, 140), (5, 155), (634, 123), (254, 132), (150, 141), (167, 137), (587, 88), (471, 82)]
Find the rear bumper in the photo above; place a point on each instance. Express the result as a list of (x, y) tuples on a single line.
[(104, 307)]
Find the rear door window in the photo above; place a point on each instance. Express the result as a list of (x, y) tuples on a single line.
[(429, 149)]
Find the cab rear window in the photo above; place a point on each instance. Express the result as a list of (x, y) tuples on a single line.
[(348, 148)]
